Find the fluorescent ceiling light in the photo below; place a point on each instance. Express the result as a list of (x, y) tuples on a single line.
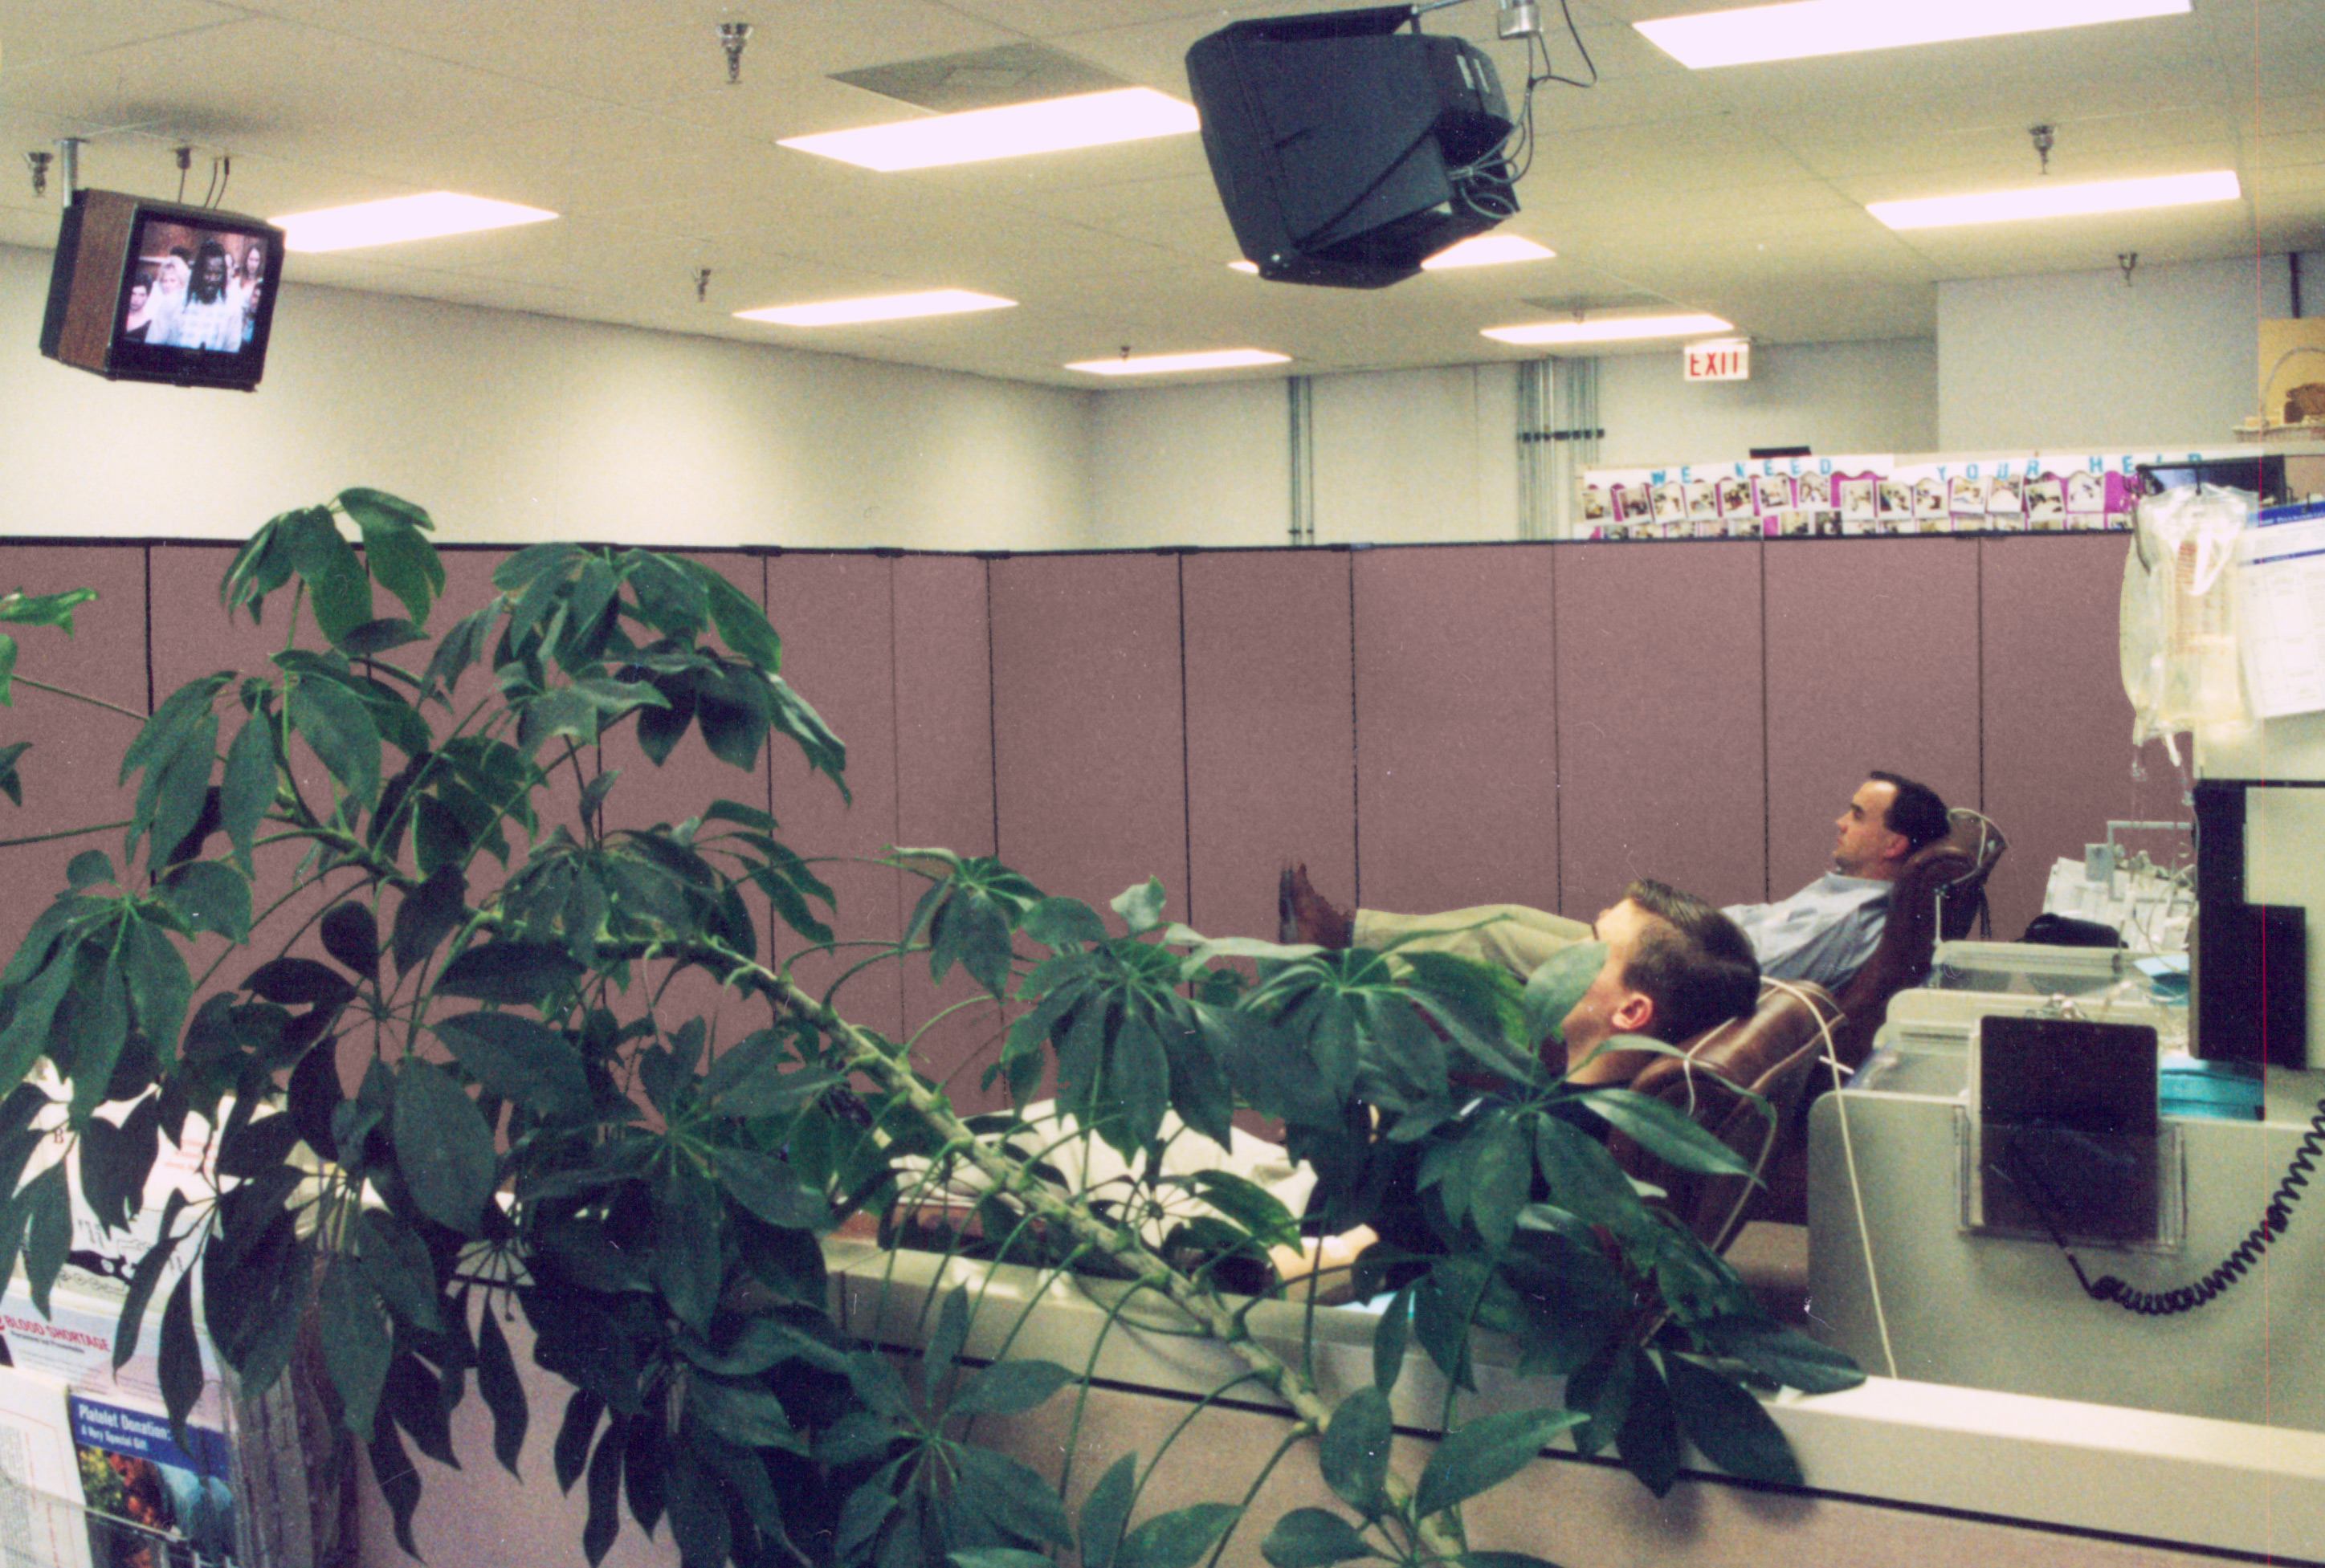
[(1487, 250), (2059, 200), (1160, 364), (1050, 125), (1610, 329), (401, 218), (1807, 28), (886, 308)]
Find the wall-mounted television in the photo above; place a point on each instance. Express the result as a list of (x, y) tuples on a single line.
[(156, 291)]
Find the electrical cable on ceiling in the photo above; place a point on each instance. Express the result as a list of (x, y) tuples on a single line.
[(1500, 170)]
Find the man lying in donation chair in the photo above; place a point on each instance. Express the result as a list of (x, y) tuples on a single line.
[(1665, 1006)]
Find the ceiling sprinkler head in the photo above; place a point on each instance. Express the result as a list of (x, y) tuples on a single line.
[(732, 37), (2045, 137), (39, 164)]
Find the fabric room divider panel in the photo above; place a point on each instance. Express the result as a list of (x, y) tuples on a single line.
[(69, 774), (1457, 753), (1659, 709), (836, 615), (1089, 733), (2059, 757), (944, 787), (1873, 662), (1271, 739)]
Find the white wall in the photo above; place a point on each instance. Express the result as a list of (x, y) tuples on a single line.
[(1399, 456), (1834, 398), (1193, 464), (514, 427), (1404, 456), (2083, 360)]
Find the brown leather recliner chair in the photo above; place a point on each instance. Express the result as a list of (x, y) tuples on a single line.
[(1941, 893), (1773, 1054)]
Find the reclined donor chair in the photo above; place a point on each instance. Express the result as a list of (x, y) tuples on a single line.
[(1773, 1053), (1941, 893)]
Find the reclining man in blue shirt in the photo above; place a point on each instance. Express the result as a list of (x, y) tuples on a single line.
[(1824, 933)]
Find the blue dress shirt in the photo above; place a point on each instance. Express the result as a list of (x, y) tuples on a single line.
[(1824, 933)]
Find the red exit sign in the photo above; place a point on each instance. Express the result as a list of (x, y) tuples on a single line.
[(1729, 359)]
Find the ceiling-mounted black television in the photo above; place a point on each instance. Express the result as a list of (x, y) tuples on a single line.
[(1348, 153), (157, 290)]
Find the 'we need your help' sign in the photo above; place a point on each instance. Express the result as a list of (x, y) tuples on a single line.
[(1725, 359)]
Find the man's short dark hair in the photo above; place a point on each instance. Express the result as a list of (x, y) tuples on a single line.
[(1917, 813), (1691, 961), (203, 287)]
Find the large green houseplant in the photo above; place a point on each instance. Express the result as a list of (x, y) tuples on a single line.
[(532, 1130)]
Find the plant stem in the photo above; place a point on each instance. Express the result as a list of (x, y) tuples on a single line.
[(866, 1053), (95, 702), (63, 832)]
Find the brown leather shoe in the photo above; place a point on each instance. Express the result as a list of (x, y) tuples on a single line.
[(1304, 915)]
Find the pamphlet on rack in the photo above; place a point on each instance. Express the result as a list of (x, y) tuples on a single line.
[(40, 1512), (133, 1471)]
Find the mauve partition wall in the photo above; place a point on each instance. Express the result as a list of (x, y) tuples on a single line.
[(837, 615), (1271, 739), (1457, 751), (2059, 759), (69, 774), (1089, 729), (1873, 662), (943, 723), (1659, 715)]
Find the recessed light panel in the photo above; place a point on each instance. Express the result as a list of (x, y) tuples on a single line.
[(1610, 329), (1086, 120), (1487, 250), (886, 307), (1164, 364), (2059, 200), (403, 217), (1807, 28)]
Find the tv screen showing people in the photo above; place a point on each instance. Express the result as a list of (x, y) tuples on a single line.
[(193, 292)]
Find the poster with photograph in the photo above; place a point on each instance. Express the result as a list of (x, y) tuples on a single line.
[(1872, 494), (2086, 494), (1856, 497), (2046, 503)]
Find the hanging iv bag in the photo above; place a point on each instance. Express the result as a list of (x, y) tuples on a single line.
[(2179, 617)]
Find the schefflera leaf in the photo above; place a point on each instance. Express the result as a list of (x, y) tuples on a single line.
[(442, 1147)]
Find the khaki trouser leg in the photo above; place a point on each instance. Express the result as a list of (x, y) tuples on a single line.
[(1520, 940)]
